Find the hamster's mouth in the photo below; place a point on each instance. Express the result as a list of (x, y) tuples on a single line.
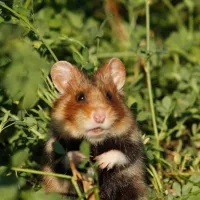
[(95, 131)]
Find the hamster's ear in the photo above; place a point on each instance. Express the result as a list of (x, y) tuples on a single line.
[(62, 73), (117, 72)]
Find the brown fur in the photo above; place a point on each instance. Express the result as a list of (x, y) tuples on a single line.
[(53, 184)]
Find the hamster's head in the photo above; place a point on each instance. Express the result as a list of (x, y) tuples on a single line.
[(91, 108)]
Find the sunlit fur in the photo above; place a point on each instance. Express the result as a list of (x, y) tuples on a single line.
[(53, 184)]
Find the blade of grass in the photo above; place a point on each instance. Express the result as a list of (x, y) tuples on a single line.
[(148, 74), (155, 176)]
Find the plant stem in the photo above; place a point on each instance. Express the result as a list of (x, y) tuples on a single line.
[(50, 174), (30, 26), (75, 41), (98, 44), (147, 69), (76, 188), (155, 175), (27, 3), (96, 192), (178, 173), (31, 171), (156, 178), (116, 54)]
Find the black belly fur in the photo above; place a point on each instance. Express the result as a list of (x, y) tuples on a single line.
[(112, 186)]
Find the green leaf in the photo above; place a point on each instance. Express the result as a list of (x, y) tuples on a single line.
[(177, 158), (177, 189), (150, 155), (195, 178), (187, 188), (195, 188), (194, 197), (25, 72), (14, 137), (30, 97), (76, 19), (170, 197), (8, 187), (19, 157), (190, 4), (18, 7), (85, 148), (166, 102), (85, 53), (179, 41), (100, 33), (131, 102), (83, 164), (142, 116), (1, 18), (3, 169), (30, 121), (77, 58), (4, 121), (4, 60), (56, 22), (40, 195), (58, 148), (88, 66)]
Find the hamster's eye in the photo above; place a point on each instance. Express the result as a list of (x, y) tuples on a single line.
[(108, 95), (80, 97)]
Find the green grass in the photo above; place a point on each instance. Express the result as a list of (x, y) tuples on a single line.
[(158, 41)]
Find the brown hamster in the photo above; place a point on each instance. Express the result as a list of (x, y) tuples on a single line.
[(93, 109)]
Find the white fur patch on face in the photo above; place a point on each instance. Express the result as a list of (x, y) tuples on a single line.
[(110, 159), (96, 138)]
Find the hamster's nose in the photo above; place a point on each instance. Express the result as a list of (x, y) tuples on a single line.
[(99, 116)]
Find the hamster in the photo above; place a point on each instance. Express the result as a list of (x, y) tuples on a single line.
[(93, 109)]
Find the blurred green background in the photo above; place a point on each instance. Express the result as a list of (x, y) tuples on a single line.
[(36, 33)]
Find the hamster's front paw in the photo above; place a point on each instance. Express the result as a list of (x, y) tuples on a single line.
[(110, 159)]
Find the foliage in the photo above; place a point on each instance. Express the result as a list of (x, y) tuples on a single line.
[(34, 34)]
